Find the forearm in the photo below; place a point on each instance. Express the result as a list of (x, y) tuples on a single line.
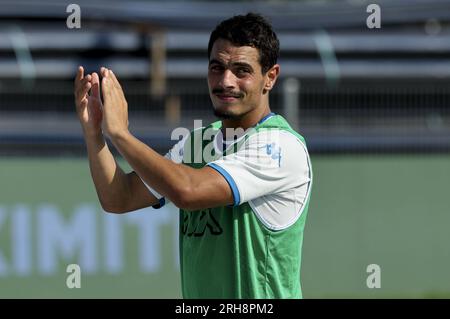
[(166, 177), (109, 179)]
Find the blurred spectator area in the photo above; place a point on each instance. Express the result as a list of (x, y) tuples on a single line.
[(346, 87)]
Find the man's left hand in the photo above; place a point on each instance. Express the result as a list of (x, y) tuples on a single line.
[(115, 106)]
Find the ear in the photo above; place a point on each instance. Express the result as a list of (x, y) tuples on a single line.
[(271, 77)]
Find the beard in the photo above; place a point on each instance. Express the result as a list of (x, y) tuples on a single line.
[(226, 115), (229, 115)]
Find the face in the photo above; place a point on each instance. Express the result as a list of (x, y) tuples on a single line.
[(235, 80)]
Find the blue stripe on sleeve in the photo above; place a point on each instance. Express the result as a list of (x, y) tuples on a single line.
[(162, 202), (230, 181)]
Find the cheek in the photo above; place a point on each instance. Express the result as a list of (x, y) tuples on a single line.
[(247, 86), (209, 80), (212, 79), (252, 87)]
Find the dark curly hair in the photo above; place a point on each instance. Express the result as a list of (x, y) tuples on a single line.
[(249, 30)]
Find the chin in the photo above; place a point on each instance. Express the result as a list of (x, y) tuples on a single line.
[(226, 114)]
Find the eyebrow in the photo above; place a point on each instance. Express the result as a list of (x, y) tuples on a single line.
[(241, 64)]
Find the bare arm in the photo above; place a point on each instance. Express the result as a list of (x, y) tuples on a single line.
[(186, 187), (117, 191)]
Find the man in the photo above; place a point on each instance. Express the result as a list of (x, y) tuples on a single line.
[(243, 209)]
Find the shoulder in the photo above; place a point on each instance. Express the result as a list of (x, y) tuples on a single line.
[(275, 152), (274, 138)]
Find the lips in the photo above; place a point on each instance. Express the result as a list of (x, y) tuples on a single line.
[(227, 97)]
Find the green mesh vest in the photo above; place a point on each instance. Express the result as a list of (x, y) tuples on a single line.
[(226, 252)]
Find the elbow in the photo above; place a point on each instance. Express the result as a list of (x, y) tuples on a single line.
[(112, 208), (184, 198)]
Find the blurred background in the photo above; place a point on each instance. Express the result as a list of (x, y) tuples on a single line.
[(372, 103)]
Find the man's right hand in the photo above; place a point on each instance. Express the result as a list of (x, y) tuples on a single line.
[(88, 102)]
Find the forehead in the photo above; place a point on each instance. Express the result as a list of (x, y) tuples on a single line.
[(226, 52)]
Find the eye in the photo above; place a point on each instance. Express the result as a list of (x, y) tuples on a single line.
[(243, 71), (215, 68)]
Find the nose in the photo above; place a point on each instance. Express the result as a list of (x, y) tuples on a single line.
[(228, 80)]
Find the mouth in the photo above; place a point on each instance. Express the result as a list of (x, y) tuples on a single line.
[(227, 97)]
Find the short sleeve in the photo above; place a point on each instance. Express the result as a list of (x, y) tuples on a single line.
[(269, 162)]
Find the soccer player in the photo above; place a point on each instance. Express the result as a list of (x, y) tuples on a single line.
[(242, 184)]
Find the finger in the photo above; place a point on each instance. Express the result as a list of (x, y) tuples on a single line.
[(114, 80), (81, 82), (113, 77), (84, 102), (117, 84), (104, 71), (95, 90), (105, 88), (80, 73), (83, 86), (84, 90), (78, 78), (82, 105), (86, 79)]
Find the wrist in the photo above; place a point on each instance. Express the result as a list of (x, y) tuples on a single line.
[(119, 136), (95, 141), (90, 133)]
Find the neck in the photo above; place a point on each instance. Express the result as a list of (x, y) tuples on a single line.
[(248, 120)]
